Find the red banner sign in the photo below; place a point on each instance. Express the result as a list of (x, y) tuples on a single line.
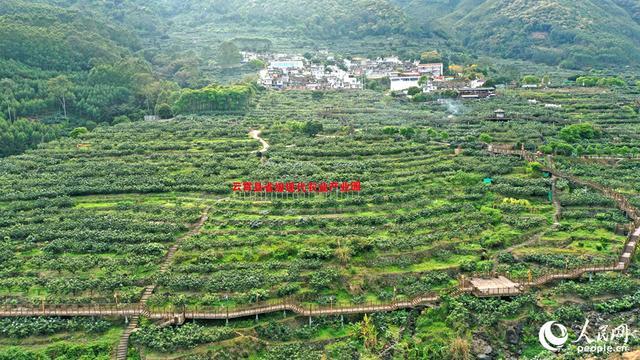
[(297, 187)]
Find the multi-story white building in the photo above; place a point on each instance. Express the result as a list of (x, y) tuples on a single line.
[(435, 69), (286, 64), (403, 81), (350, 81)]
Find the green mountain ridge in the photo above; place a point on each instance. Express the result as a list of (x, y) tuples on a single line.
[(572, 34)]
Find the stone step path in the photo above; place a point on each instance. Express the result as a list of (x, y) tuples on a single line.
[(556, 202), (123, 344)]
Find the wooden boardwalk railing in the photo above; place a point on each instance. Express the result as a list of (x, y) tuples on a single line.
[(213, 313), (631, 211), (103, 310), (500, 291), (611, 157)]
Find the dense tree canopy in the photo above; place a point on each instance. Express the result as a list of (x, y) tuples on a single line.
[(213, 98), (19, 135)]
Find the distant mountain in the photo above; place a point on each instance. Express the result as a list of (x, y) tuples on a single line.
[(313, 18), (69, 34), (570, 33), (573, 34)]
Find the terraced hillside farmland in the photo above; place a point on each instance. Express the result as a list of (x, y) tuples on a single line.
[(90, 220), (400, 230), (92, 216)]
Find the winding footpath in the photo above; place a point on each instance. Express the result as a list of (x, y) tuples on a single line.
[(556, 202), (481, 287), (255, 134)]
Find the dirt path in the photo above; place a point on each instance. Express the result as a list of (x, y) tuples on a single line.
[(556, 202), (531, 240), (255, 134)]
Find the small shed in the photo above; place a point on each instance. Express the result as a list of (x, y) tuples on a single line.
[(499, 114)]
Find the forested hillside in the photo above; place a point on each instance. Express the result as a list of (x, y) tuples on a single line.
[(82, 63), (555, 32), (315, 19), (53, 38), (574, 34), (564, 32), (46, 54), (63, 66)]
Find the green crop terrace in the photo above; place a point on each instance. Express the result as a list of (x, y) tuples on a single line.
[(89, 220)]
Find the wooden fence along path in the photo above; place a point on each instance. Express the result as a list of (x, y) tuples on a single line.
[(611, 157), (623, 204), (213, 313), (480, 286)]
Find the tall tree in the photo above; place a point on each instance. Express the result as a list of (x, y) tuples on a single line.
[(61, 88), (7, 98), (228, 54)]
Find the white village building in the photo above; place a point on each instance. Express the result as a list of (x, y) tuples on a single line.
[(435, 69), (403, 81), (286, 64)]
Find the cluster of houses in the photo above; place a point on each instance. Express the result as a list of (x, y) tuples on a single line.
[(297, 72)]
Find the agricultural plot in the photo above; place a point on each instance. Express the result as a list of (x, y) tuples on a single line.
[(423, 213), (89, 220), (401, 229), (619, 173), (537, 116), (585, 234), (91, 223), (55, 337)]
